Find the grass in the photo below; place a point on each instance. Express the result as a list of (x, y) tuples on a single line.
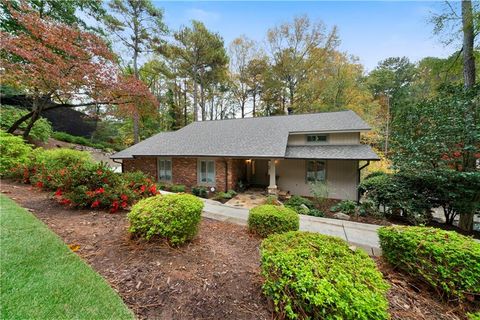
[(40, 278)]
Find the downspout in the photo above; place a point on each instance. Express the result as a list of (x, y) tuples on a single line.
[(358, 179), (119, 162)]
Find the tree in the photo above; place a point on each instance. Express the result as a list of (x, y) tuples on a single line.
[(138, 24), (242, 51), (62, 11), (201, 56), (61, 66), (290, 45), (256, 72), (442, 133), (468, 25)]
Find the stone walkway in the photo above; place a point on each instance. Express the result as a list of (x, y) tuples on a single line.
[(358, 234)]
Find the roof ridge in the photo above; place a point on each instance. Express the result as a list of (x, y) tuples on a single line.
[(278, 115)]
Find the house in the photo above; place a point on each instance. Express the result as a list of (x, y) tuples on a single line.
[(287, 153)]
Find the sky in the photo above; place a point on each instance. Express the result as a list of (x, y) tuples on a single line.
[(370, 30)]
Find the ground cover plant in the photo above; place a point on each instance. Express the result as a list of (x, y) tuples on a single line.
[(43, 279), (63, 136), (446, 260), (14, 152), (345, 206), (174, 217), (313, 276), (268, 219)]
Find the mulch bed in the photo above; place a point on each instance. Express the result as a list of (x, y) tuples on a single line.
[(216, 276)]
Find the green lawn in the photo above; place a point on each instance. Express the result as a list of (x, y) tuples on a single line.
[(40, 278)]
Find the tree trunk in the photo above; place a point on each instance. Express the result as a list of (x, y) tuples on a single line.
[(17, 123), (195, 94), (466, 218), (36, 109), (185, 116), (468, 40), (254, 100)]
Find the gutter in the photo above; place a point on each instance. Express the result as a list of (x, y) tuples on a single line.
[(358, 179)]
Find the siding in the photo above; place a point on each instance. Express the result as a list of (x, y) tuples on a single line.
[(341, 178), (333, 138)]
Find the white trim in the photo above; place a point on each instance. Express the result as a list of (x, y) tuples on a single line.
[(199, 167)]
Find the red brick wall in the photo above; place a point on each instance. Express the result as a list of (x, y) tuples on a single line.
[(184, 170), (145, 164)]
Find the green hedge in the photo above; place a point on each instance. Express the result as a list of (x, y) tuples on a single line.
[(446, 260), (313, 276), (174, 217), (267, 219)]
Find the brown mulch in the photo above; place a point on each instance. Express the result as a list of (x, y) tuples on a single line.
[(216, 276)]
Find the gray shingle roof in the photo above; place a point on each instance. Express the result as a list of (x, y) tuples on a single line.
[(248, 137), (359, 151)]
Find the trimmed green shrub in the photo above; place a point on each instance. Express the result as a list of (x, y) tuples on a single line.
[(200, 191), (446, 260), (14, 152), (473, 316), (314, 276), (174, 217), (345, 206), (298, 204), (267, 219), (177, 188), (55, 159), (41, 130)]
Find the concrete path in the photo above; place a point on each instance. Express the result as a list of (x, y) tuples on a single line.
[(358, 234)]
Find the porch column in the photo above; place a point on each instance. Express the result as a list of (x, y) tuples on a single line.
[(272, 188)]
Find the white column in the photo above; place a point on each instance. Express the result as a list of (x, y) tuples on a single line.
[(272, 188)]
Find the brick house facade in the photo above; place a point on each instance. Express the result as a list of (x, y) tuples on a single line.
[(184, 171)]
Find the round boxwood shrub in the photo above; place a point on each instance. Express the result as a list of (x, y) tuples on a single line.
[(174, 217), (267, 219), (448, 261), (314, 276)]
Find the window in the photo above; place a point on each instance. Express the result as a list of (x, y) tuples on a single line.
[(164, 169), (206, 172), (315, 170), (316, 138)]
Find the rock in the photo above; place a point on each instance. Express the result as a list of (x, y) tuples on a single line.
[(304, 207), (342, 216)]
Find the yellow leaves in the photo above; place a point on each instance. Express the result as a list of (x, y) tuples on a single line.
[(74, 247)]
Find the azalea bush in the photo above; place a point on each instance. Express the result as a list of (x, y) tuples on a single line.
[(268, 219), (78, 181), (314, 276), (448, 261), (174, 217)]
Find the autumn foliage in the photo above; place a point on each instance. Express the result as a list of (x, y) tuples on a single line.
[(53, 61)]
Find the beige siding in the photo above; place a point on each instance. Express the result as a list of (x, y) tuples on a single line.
[(333, 138), (341, 178)]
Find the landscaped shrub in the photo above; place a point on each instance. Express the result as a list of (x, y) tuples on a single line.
[(177, 188), (314, 276), (174, 217), (316, 213), (225, 195), (200, 191), (299, 204), (41, 130), (446, 260), (267, 219), (473, 316), (345, 206), (14, 152)]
